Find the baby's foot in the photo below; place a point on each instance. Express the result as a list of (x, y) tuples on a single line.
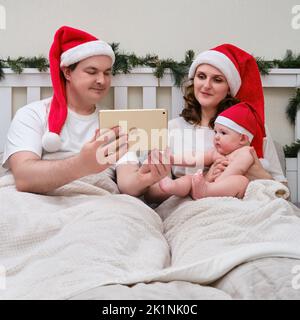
[(167, 185), (199, 186)]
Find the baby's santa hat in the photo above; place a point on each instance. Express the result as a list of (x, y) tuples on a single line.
[(241, 72), (70, 46), (244, 119)]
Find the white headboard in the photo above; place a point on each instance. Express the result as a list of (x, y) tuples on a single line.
[(34, 81)]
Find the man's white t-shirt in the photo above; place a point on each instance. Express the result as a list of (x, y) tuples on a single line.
[(200, 139), (31, 122)]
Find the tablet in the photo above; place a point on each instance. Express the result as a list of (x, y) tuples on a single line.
[(146, 128)]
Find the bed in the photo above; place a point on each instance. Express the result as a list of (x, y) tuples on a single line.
[(87, 241)]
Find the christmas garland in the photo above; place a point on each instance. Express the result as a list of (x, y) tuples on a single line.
[(126, 62), (41, 63), (292, 150), (293, 107)]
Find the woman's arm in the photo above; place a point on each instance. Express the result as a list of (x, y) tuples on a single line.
[(256, 171), (195, 159), (155, 195), (128, 180), (271, 155), (135, 180)]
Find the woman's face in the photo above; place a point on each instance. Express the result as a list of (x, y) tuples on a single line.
[(210, 86)]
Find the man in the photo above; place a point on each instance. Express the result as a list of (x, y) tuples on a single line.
[(80, 67)]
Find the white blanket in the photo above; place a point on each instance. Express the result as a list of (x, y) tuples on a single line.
[(56, 246), (83, 236), (211, 236)]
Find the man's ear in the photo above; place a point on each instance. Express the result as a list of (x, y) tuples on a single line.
[(67, 72)]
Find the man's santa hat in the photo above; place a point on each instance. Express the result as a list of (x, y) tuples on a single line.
[(244, 119), (241, 72), (70, 46)]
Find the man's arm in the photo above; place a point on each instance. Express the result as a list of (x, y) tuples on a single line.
[(41, 176)]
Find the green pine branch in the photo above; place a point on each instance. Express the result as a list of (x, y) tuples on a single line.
[(293, 107), (264, 66), (292, 150), (290, 61)]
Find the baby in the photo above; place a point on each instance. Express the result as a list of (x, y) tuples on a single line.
[(235, 130)]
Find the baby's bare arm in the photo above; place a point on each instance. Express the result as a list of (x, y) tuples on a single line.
[(239, 163)]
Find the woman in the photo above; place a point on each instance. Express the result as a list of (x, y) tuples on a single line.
[(218, 79)]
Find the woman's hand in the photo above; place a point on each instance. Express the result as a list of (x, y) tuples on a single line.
[(216, 169), (256, 171), (156, 167)]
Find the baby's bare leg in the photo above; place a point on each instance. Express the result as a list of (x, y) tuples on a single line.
[(233, 186), (239, 165), (179, 187)]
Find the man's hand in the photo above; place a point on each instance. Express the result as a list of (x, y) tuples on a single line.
[(103, 150)]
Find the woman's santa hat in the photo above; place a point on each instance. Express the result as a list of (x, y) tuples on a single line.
[(241, 72), (244, 119), (70, 46)]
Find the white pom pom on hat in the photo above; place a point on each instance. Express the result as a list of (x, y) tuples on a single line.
[(51, 142)]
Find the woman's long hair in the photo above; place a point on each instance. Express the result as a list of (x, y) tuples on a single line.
[(192, 109)]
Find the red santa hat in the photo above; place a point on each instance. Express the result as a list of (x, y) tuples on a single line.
[(69, 46), (244, 119), (241, 72)]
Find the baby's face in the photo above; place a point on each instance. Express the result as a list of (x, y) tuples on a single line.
[(226, 140)]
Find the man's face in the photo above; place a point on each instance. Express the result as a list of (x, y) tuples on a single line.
[(90, 81)]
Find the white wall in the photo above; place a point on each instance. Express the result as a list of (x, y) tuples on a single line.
[(165, 27)]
